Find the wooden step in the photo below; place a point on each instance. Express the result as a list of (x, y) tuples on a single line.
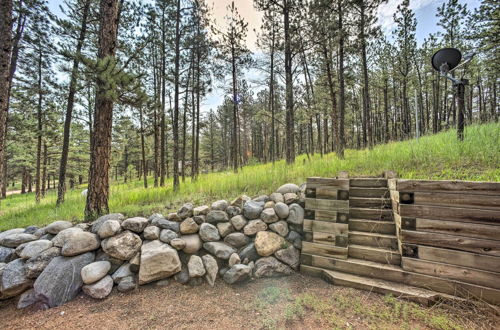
[(370, 202), (373, 239), (368, 182), (372, 226), (381, 255), (418, 295), (369, 192), (373, 214), (397, 274)]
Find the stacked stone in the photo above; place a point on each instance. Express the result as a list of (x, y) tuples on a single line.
[(246, 238)]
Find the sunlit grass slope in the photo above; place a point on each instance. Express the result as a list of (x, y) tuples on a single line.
[(439, 156)]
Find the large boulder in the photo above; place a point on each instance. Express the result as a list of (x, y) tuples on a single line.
[(238, 222), (14, 279), (35, 265), (109, 228), (209, 233), (290, 256), (219, 249), (189, 226), (35, 247), (211, 268), (7, 254), (98, 223), (151, 233), (95, 271), (61, 280), (64, 235), (186, 211), (158, 261), (195, 267), (55, 227), (136, 224), (122, 246), (288, 188), (237, 274), (10, 232), (252, 209), (80, 242), (193, 243), (14, 240), (100, 289), (296, 215), (266, 243), (236, 240), (217, 216), (254, 226), (271, 267)]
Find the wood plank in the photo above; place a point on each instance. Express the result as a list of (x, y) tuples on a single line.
[(453, 257), (365, 202), (471, 187), (328, 238), (468, 229), (374, 214), (311, 271), (481, 246), (369, 192), (326, 227), (327, 204), (374, 254), (464, 274), (373, 239), (326, 192), (340, 184), (450, 213), (324, 250), (368, 183), (383, 227), (324, 215), (463, 200), (392, 184)]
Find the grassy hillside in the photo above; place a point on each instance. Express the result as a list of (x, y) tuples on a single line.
[(433, 157)]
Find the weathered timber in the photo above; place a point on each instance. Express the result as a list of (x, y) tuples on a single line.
[(450, 213), (397, 274), (327, 192), (326, 227), (311, 271), (324, 250), (366, 202), (373, 239), (368, 183), (382, 227), (327, 204), (453, 257), (339, 184), (486, 188), (369, 192), (329, 238), (374, 254), (374, 214), (463, 274), (463, 200), (481, 246)]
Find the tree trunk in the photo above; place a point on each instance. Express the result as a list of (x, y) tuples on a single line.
[(341, 138), (39, 128), (235, 112), (143, 150), (175, 124), (290, 133), (44, 171)]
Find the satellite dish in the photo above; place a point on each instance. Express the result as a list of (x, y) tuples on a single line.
[(446, 59)]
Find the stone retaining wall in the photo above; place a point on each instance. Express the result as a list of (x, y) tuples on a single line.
[(246, 238)]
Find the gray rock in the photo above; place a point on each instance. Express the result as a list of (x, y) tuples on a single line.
[(135, 262), (32, 230), (127, 284), (296, 215), (112, 216), (14, 279), (48, 237), (201, 210), (151, 233), (166, 224), (289, 256), (219, 249), (26, 299), (193, 243), (158, 261), (236, 240), (211, 268), (269, 205), (254, 226), (122, 272), (14, 240), (249, 252), (10, 232), (83, 226), (199, 219), (100, 289), (295, 238), (164, 282), (166, 235), (290, 198), (7, 254), (122, 246), (115, 263), (195, 267), (55, 227), (268, 215), (189, 226), (277, 197), (186, 211), (156, 217), (233, 211), (238, 222), (35, 265), (252, 209), (109, 228), (288, 188), (217, 216), (174, 217), (237, 274), (261, 198), (220, 205), (136, 224), (209, 233), (182, 277), (280, 227), (80, 242), (64, 235), (234, 259), (282, 210), (61, 280), (95, 271), (222, 271), (2, 267), (271, 267), (178, 243), (35, 247), (225, 228)]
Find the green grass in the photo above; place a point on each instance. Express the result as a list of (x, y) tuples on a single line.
[(440, 156)]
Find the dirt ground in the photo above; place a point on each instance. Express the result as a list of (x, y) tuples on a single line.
[(295, 302)]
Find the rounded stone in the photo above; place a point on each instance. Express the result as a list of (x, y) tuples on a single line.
[(55, 227), (109, 228), (282, 210), (238, 222), (100, 289), (254, 226), (266, 243), (269, 215), (122, 246), (236, 240), (95, 271), (189, 226), (252, 209), (209, 233), (288, 188), (296, 215), (220, 205), (166, 235), (193, 243), (151, 233), (136, 224), (34, 248)]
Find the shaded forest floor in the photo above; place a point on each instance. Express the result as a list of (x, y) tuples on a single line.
[(295, 302), (438, 156)]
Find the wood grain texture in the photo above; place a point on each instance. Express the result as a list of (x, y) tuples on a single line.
[(486, 188), (468, 229), (340, 184), (324, 250), (450, 213), (327, 204)]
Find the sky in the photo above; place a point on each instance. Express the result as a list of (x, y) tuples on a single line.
[(425, 12)]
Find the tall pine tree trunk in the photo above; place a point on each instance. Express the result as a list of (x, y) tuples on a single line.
[(143, 150), (340, 134), (235, 113), (39, 128), (175, 124), (290, 133)]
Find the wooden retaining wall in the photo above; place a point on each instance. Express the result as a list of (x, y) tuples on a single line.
[(449, 229)]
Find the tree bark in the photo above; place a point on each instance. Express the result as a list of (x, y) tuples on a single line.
[(341, 138), (143, 150), (175, 124), (290, 132), (39, 127)]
